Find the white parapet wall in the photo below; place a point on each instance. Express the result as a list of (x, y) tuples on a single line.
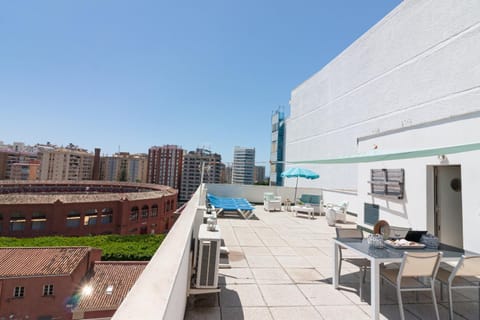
[(161, 290), (254, 193)]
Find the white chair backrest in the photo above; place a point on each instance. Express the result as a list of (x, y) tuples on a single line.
[(349, 233), (468, 266), (420, 264), (268, 195)]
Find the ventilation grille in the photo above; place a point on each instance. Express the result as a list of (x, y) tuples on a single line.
[(208, 256)]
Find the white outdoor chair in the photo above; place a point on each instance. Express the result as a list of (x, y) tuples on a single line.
[(362, 263), (466, 274), (272, 202), (340, 211), (407, 278)]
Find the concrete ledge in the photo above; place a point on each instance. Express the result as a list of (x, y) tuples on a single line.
[(161, 291)]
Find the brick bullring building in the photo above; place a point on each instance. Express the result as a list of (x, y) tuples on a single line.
[(31, 208)]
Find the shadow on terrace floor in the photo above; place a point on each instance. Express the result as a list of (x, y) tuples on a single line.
[(281, 268)]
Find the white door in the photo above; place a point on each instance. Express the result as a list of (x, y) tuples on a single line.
[(448, 205)]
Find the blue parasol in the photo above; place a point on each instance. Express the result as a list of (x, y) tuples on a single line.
[(299, 172)]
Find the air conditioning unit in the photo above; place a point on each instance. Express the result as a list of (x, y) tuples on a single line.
[(208, 258)]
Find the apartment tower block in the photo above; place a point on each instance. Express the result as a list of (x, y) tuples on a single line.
[(124, 166), (199, 166), (165, 165), (66, 164), (243, 165)]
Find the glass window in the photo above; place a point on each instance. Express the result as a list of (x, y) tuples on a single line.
[(154, 211), (73, 219), (48, 290), (134, 214), (90, 220), (17, 223), (39, 221), (107, 218), (19, 292), (107, 215), (145, 212), (90, 217)]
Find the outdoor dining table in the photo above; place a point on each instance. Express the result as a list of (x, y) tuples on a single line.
[(377, 256)]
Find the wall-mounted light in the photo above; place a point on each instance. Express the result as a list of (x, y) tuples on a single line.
[(442, 157)]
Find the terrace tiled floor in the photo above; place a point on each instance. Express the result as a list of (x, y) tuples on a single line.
[(281, 268)]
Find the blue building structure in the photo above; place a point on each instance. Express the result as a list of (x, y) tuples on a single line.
[(277, 152)]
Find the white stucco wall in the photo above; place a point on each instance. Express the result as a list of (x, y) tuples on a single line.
[(412, 210), (417, 65), (255, 193), (411, 82)]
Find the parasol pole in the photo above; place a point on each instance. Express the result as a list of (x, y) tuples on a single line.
[(295, 197)]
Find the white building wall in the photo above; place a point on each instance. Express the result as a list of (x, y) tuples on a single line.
[(416, 207), (410, 82), (419, 63)]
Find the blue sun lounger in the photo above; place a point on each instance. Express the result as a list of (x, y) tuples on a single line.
[(238, 205)]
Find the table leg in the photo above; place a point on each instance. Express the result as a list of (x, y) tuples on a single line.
[(375, 289), (335, 265)]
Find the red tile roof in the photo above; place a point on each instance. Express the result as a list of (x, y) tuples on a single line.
[(120, 276), (28, 262)]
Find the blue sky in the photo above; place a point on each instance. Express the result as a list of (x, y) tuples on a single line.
[(133, 74)]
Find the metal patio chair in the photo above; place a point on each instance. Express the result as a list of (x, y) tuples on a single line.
[(362, 263), (466, 274), (415, 265)]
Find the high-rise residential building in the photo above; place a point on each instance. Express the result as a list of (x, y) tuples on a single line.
[(277, 152), (259, 174), (243, 165), (226, 176), (124, 166), (71, 163), (25, 171), (18, 147), (165, 165), (96, 165), (9, 158), (199, 166)]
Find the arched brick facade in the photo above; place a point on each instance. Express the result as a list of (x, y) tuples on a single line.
[(29, 209)]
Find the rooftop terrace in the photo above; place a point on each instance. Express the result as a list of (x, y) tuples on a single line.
[(281, 268)]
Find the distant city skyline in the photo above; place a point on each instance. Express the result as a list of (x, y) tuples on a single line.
[(103, 154), (121, 75)]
